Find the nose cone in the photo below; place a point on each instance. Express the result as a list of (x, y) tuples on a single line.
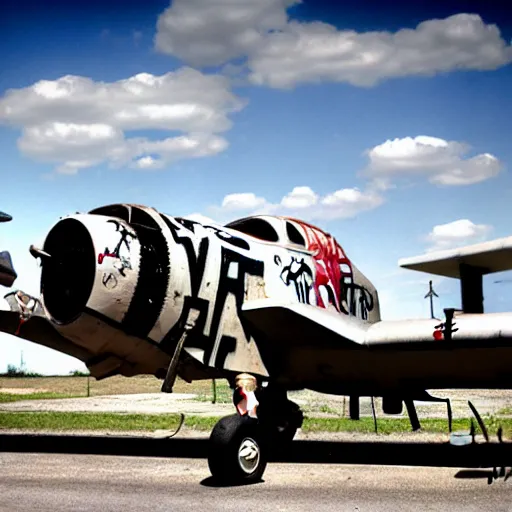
[(4, 217), (89, 262)]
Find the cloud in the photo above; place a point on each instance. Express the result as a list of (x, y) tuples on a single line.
[(313, 52), (242, 201), (282, 53), (300, 197), (456, 234), (210, 33), (301, 202), (77, 123), (443, 162), (199, 217)]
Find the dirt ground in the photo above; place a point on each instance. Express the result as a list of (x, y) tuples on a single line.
[(488, 402)]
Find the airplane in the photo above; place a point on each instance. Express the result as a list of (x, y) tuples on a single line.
[(271, 304)]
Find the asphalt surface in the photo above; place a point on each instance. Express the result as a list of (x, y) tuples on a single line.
[(63, 482)]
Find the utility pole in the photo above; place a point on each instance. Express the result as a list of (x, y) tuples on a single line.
[(431, 294)]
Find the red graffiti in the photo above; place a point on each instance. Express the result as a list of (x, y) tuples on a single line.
[(104, 255), (329, 259)]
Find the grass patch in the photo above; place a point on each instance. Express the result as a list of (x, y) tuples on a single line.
[(402, 425), (65, 421), (12, 397), (224, 394), (69, 421), (506, 411)]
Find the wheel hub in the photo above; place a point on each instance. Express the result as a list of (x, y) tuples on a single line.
[(248, 455)]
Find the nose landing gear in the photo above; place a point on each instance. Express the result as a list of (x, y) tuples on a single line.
[(240, 444)]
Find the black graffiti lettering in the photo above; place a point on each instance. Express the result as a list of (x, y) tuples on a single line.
[(196, 261), (230, 282), (123, 262), (300, 274), (228, 238), (227, 346), (109, 281), (187, 223), (236, 287), (359, 300), (124, 236), (219, 233)]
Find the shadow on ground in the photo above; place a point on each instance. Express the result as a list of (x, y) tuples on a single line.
[(485, 455)]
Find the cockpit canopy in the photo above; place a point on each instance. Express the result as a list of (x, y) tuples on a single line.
[(270, 229)]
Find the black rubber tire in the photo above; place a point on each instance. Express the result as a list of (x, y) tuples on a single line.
[(225, 441)]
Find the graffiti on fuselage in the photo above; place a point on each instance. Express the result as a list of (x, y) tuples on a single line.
[(216, 290), (334, 284), (215, 270), (299, 273)]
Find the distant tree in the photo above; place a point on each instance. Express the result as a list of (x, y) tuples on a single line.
[(79, 373), (15, 371)]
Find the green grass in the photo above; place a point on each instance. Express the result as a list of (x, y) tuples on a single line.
[(12, 397), (224, 394), (68, 421), (62, 421)]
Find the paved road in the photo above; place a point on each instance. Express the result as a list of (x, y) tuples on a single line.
[(63, 482)]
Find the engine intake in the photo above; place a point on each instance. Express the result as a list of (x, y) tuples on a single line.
[(67, 276)]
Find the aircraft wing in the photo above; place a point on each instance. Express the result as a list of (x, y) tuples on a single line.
[(302, 324), (37, 328), (305, 325)]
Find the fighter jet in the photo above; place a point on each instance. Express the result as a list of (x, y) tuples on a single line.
[(272, 304)]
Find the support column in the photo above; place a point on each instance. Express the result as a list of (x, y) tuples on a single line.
[(471, 286)]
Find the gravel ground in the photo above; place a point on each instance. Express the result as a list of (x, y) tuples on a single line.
[(313, 404)]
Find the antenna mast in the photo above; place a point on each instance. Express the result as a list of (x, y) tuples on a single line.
[(431, 294)]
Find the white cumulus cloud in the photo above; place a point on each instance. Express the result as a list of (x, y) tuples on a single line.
[(313, 52), (199, 217), (282, 53), (300, 197), (442, 162), (456, 234), (301, 202), (242, 201), (209, 33), (76, 122)]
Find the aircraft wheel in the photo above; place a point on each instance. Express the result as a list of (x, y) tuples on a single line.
[(237, 451)]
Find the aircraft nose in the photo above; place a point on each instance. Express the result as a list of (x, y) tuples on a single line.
[(67, 269), (89, 262)]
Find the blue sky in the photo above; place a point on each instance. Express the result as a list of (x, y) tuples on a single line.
[(389, 127)]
